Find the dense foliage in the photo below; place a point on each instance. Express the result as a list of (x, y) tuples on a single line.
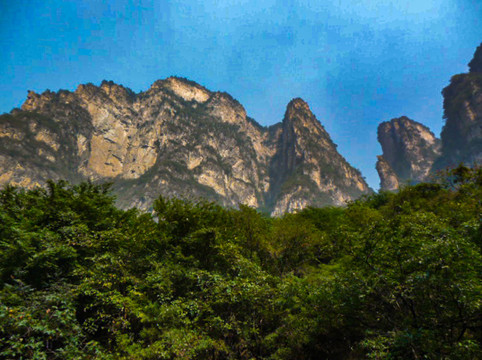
[(390, 276)]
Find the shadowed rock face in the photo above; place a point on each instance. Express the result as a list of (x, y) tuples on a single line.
[(475, 65), (409, 151), (412, 153), (175, 139), (462, 133), (388, 178)]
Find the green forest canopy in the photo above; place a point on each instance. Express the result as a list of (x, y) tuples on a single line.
[(390, 276)]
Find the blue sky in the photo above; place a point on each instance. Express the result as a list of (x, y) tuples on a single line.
[(357, 63)]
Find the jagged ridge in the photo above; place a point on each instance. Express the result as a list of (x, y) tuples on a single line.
[(176, 139)]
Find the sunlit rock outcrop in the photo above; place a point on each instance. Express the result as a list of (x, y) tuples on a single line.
[(175, 139)]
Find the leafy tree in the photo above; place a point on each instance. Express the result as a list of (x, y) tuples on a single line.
[(392, 276)]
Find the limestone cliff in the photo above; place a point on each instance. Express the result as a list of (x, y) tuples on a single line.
[(409, 151), (175, 139), (462, 133), (388, 179), (307, 169), (412, 153)]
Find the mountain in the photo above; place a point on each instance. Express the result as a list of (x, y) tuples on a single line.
[(462, 133), (409, 151), (175, 139), (306, 168)]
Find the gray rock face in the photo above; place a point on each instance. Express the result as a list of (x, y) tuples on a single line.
[(462, 133), (409, 151), (307, 169), (388, 178), (412, 153), (175, 139)]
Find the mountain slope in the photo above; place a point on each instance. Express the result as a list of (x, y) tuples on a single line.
[(175, 139), (409, 151), (462, 133), (307, 169)]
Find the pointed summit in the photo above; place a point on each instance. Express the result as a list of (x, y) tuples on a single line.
[(475, 65), (307, 168), (176, 139), (300, 119), (298, 104), (297, 108)]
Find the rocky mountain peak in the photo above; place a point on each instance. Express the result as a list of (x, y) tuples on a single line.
[(87, 90), (400, 129), (475, 65), (298, 111), (409, 151), (35, 100), (307, 166), (300, 119), (117, 92), (186, 89), (462, 132), (297, 105), (175, 139)]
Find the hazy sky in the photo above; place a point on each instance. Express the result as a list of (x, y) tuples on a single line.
[(356, 62)]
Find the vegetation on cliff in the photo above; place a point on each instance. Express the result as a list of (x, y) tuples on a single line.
[(393, 275)]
